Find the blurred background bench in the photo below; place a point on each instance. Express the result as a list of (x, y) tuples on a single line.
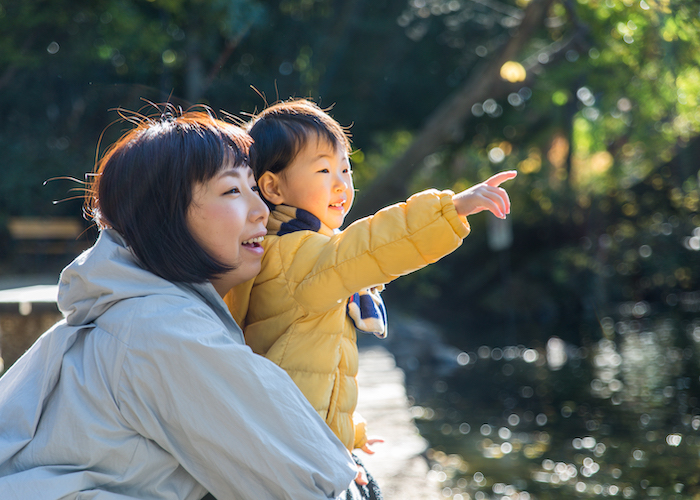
[(46, 235), (40, 245)]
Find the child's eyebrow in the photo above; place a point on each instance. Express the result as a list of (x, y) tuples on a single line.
[(324, 155)]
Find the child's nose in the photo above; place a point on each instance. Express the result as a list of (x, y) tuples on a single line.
[(340, 183)]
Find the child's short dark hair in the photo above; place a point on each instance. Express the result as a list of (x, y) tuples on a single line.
[(280, 131), (143, 187)]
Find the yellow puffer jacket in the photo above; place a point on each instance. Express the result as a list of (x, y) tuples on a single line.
[(296, 314)]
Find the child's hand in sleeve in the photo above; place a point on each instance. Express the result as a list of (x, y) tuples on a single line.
[(367, 446), (487, 195), (361, 477)]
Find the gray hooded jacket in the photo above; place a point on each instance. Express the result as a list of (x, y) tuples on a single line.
[(145, 390)]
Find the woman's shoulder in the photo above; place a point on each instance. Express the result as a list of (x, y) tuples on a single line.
[(143, 322)]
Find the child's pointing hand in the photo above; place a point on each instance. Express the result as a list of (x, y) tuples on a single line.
[(487, 195)]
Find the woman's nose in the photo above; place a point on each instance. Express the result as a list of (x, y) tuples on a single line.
[(258, 209)]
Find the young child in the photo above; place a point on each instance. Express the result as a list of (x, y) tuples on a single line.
[(296, 311)]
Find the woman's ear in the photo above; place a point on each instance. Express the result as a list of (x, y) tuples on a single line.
[(269, 185)]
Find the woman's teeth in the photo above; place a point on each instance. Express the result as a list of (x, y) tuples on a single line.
[(253, 241)]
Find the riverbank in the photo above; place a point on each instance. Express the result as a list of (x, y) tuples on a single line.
[(399, 466)]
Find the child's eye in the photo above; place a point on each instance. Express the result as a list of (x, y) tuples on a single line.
[(323, 171), (347, 171)]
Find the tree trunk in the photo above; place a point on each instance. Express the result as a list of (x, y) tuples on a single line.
[(392, 184), (195, 76)]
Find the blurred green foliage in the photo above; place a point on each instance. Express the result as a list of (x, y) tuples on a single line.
[(600, 117)]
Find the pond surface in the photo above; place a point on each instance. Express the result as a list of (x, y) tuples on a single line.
[(617, 418)]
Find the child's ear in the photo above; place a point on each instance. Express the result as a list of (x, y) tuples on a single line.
[(269, 185)]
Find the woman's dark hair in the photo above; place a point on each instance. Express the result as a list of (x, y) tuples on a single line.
[(143, 185), (280, 131)]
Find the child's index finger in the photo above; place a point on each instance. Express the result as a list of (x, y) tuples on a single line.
[(500, 177)]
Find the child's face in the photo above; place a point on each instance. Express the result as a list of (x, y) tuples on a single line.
[(319, 180)]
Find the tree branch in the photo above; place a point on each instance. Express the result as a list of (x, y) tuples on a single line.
[(391, 185), (224, 55)]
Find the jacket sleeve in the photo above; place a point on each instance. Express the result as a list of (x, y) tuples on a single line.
[(234, 420), (395, 241), (360, 430)]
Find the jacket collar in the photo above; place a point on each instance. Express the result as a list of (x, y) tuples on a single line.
[(285, 219)]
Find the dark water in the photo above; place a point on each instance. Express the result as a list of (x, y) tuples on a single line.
[(618, 418)]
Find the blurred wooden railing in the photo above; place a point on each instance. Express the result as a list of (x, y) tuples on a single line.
[(25, 313)]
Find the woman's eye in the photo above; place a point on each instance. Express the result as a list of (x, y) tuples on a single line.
[(233, 190), (347, 171), (323, 171)]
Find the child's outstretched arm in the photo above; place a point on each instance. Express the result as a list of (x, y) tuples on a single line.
[(487, 195)]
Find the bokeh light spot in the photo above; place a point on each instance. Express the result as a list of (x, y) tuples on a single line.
[(513, 72)]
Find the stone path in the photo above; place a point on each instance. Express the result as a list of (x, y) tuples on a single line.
[(398, 464)]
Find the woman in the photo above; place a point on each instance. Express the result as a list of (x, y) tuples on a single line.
[(146, 390)]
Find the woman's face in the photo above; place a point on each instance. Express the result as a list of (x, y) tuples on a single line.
[(227, 218)]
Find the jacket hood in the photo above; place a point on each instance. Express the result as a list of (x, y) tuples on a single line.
[(109, 272)]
